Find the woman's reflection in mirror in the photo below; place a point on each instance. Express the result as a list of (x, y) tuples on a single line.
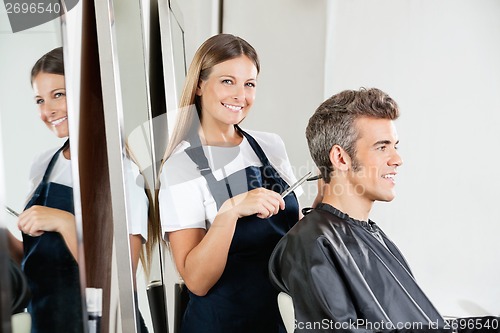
[(48, 251), (143, 227)]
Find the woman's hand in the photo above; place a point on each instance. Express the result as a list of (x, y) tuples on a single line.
[(263, 202), (200, 256), (38, 219)]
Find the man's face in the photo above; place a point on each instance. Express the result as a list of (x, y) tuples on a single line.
[(377, 158)]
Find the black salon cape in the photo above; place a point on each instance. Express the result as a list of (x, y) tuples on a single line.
[(343, 279)]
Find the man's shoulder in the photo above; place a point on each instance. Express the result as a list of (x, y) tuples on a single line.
[(320, 217), (317, 230), (314, 224)]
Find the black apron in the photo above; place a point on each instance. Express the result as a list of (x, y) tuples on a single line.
[(243, 300), (51, 270)]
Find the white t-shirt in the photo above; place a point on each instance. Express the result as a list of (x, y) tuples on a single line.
[(137, 201), (185, 200), (61, 174)]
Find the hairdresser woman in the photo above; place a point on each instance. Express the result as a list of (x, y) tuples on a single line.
[(48, 252), (219, 200)]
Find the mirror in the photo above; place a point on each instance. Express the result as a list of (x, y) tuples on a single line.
[(20, 120), (50, 257), (146, 117), (123, 43), (132, 57), (173, 47), (6, 308)]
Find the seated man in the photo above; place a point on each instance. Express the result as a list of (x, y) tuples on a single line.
[(341, 270)]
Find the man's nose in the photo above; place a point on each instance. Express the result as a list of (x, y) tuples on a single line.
[(396, 159)]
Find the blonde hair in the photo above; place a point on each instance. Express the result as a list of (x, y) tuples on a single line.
[(154, 227)]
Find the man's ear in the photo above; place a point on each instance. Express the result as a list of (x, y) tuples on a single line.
[(339, 158)]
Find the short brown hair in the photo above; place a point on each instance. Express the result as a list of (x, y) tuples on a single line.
[(333, 123)]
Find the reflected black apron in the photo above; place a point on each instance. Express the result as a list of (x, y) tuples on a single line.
[(243, 300), (51, 270)]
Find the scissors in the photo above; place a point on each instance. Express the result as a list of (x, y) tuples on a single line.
[(11, 211), (295, 185)]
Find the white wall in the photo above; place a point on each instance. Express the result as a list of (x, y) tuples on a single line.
[(439, 61), (200, 20), (291, 51), (289, 36)]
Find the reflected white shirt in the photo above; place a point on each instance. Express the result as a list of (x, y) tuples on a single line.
[(137, 201)]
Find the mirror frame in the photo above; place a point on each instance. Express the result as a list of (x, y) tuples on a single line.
[(5, 284), (169, 15), (122, 303)]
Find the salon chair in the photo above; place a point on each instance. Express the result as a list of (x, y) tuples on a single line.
[(158, 307), (285, 305), (181, 301)]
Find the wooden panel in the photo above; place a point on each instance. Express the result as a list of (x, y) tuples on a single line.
[(93, 165)]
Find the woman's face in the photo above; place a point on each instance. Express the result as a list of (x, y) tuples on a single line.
[(228, 93), (50, 96)]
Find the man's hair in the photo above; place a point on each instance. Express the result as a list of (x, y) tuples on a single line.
[(333, 123)]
